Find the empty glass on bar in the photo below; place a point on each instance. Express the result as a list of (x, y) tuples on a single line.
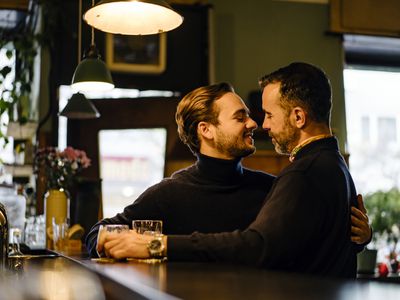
[(106, 229), (149, 227), (60, 234)]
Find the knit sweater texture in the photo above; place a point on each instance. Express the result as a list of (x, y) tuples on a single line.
[(213, 195)]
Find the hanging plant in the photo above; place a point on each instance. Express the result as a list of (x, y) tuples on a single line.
[(19, 91), (21, 44)]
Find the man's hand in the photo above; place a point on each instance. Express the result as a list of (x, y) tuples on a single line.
[(126, 244), (360, 229)]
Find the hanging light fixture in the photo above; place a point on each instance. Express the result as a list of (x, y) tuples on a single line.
[(79, 107), (133, 17), (91, 74)]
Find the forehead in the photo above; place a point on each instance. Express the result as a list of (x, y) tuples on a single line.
[(230, 103), (271, 96)]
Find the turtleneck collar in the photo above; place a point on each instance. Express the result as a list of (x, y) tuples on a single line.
[(219, 170)]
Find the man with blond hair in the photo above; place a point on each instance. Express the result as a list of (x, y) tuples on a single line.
[(304, 224)]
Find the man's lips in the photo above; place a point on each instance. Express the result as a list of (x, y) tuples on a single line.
[(249, 136)]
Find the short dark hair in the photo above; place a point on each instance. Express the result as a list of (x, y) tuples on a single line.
[(304, 85), (198, 106)]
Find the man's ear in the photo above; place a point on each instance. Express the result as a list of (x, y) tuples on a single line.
[(300, 117), (204, 129)]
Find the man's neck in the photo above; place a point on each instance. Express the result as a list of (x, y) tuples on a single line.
[(309, 136), (313, 131)]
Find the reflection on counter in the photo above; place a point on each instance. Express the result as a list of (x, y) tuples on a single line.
[(51, 278)]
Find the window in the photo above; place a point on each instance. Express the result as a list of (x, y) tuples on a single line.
[(131, 160), (373, 117), (6, 153), (386, 130), (365, 129)]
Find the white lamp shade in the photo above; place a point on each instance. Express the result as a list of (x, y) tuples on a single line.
[(133, 17)]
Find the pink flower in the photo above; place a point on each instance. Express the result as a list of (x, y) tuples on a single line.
[(61, 166), (70, 153)]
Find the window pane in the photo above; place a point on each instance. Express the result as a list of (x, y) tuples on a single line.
[(386, 130), (372, 113), (365, 131), (131, 160)]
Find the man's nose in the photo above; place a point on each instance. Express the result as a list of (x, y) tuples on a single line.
[(265, 124), (251, 124)]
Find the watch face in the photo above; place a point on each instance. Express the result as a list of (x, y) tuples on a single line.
[(156, 248), (155, 245)]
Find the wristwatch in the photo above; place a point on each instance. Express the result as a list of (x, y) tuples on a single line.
[(156, 248)]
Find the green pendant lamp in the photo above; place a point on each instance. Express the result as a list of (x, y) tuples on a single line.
[(133, 17), (91, 74), (79, 107)]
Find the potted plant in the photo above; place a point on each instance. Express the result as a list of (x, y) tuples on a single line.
[(384, 211)]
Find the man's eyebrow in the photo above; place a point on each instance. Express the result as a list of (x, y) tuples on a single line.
[(241, 112), (267, 112)]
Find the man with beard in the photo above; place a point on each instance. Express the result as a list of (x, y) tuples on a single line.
[(216, 193), (304, 224)]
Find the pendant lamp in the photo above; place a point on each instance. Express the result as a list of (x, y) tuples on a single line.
[(133, 17), (91, 74), (79, 107)]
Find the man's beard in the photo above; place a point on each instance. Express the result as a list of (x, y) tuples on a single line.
[(234, 147), (285, 141)]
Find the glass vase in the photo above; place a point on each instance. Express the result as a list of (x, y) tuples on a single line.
[(56, 205)]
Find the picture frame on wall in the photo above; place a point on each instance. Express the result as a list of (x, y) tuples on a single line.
[(144, 54)]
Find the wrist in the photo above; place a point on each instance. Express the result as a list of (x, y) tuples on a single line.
[(157, 247)]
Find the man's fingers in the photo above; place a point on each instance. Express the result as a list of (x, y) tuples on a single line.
[(361, 204), (107, 246), (356, 230), (356, 222), (359, 214), (118, 253)]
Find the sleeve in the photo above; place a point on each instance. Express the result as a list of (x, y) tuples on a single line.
[(144, 207), (282, 226), (237, 246), (361, 247)]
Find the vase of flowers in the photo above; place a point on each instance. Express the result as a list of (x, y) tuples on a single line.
[(60, 168)]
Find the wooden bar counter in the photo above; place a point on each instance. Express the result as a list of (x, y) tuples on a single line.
[(79, 277)]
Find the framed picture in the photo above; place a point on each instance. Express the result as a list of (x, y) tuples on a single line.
[(136, 53)]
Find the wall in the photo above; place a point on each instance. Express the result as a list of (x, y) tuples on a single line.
[(255, 37), (251, 38)]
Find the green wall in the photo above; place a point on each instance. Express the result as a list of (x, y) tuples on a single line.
[(255, 37)]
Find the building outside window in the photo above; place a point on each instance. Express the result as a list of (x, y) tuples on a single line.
[(373, 118)]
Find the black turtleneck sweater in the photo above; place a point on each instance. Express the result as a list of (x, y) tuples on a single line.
[(213, 195), (303, 226)]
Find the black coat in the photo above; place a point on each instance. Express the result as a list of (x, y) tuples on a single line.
[(304, 225)]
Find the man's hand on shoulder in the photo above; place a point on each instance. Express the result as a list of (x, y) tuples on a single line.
[(361, 231)]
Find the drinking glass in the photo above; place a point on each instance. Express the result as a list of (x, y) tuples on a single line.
[(16, 236), (150, 227), (109, 228), (60, 234), (35, 232)]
